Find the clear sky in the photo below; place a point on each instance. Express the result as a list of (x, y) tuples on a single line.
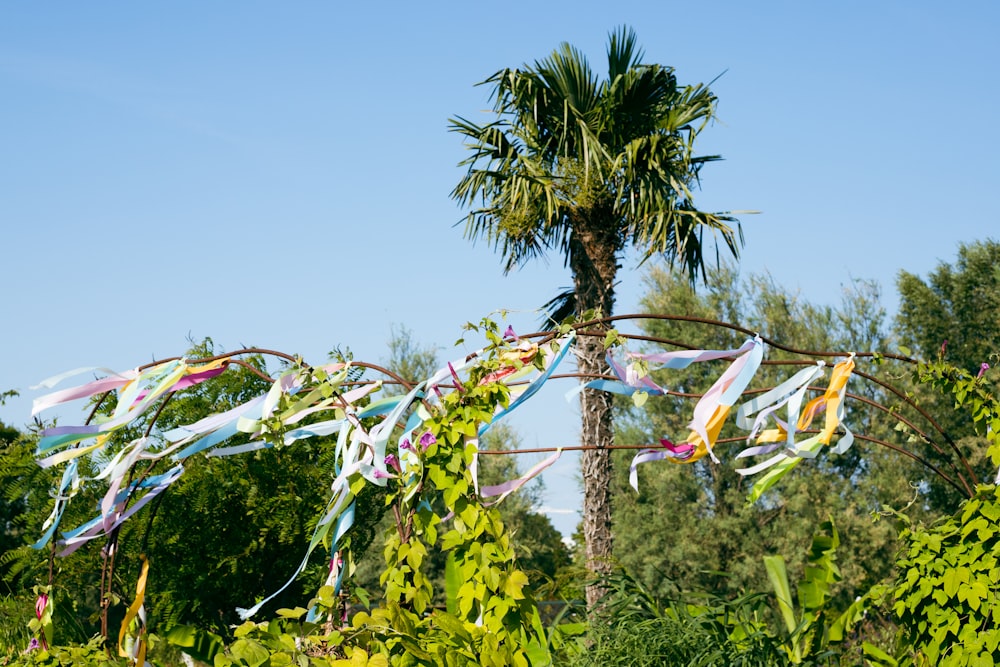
[(278, 174)]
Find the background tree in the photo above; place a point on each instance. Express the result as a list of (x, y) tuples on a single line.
[(229, 531), (953, 315), (588, 167), (957, 304)]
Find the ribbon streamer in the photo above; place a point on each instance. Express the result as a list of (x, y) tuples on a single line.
[(832, 403), (135, 648)]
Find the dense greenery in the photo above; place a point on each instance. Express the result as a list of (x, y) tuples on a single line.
[(951, 315), (944, 593)]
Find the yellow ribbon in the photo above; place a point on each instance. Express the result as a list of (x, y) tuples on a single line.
[(712, 428), (132, 614), (831, 400)]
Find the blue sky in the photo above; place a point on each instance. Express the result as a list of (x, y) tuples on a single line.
[(279, 174)]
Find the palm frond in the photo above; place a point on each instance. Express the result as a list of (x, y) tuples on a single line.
[(623, 53), (564, 144), (567, 74), (559, 308)]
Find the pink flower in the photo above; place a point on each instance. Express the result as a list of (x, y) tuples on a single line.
[(40, 604), (509, 333), (378, 474), (944, 346), (406, 444), (427, 439), (392, 462), (982, 369)]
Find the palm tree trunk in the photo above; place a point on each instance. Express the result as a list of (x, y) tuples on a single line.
[(593, 260)]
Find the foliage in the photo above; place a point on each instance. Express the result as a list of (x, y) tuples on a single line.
[(24, 503), (943, 597), (252, 512), (14, 618), (810, 635), (954, 310), (639, 628), (491, 616), (540, 550), (91, 654), (951, 316), (971, 396)]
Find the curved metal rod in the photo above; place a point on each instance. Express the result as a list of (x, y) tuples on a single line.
[(726, 325), (246, 350), (580, 448)]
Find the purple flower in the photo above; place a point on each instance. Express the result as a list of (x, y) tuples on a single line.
[(509, 333), (427, 439), (382, 475), (406, 444), (982, 369), (32, 645), (392, 462), (458, 380)]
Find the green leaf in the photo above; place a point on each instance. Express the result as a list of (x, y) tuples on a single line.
[(199, 644), (452, 625), (294, 614), (452, 582), (877, 656), (951, 582), (846, 621), (778, 575), (362, 596), (250, 652), (516, 581)]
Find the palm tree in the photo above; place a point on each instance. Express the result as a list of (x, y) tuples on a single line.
[(590, 167)]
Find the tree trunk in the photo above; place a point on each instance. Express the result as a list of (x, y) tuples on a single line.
[(593, 260)]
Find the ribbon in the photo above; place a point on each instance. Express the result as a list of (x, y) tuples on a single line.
[(832, 403), (503, 490), (711, 410), (668, 450), (114, 381), (629, 380), (135, 649), (550, 363), (790, 393)]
